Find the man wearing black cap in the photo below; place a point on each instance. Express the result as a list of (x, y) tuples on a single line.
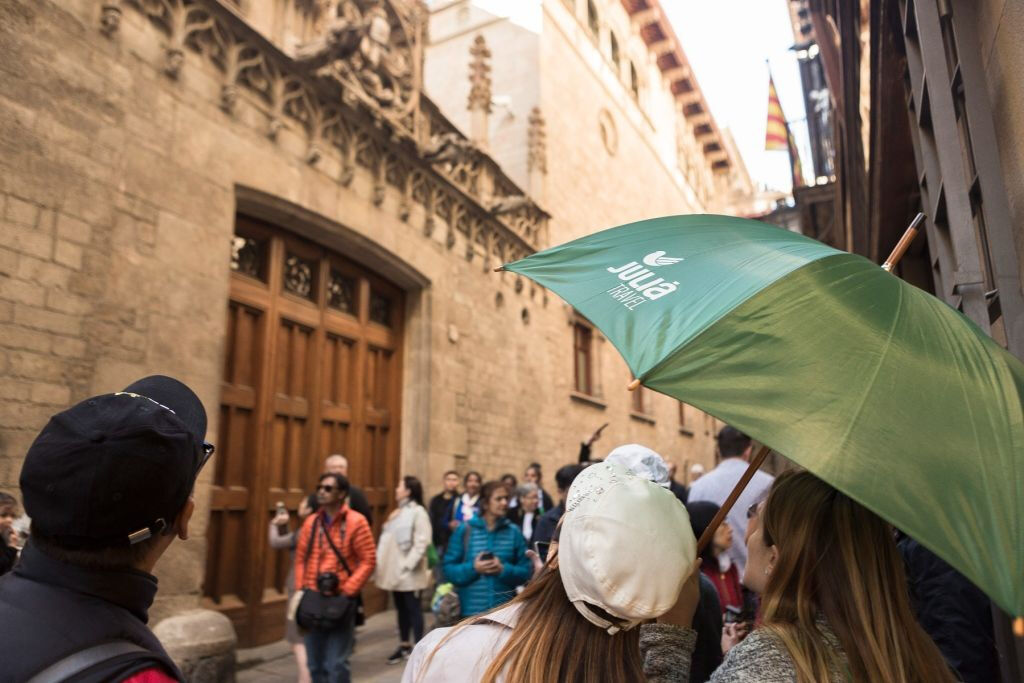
[(108, 485)]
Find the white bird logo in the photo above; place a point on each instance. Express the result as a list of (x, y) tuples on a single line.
[(658, 258)]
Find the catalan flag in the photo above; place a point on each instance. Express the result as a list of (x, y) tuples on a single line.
[(778, 136)]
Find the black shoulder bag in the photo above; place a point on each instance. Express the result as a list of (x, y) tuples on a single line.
[(326, 608)]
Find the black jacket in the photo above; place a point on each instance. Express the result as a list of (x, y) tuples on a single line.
[(707, 622), (545, 529), (442, 511), (8, 555), (954, 612), (515, 515), (50, 609), (357, 501)]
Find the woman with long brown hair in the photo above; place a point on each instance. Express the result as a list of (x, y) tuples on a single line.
[(834, 599), (624, 551)]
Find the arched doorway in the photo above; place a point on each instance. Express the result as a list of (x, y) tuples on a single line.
[(312, 367)]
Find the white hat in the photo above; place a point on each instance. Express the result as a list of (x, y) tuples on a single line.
[(625, 546), (641, 461)]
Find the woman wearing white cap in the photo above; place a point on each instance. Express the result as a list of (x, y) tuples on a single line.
[(625, 551)]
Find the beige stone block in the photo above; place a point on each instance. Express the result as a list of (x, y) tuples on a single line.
[(73, 229), (35, 366), (8, 261), (52, 321), (26, 240), (21, 212), (69, 347), (21, 291), (43, 272), (18, 337), (66, 302), (24, 415), (56, 394), (68, 254)]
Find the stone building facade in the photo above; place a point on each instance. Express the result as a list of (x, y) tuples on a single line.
[(255, 196)]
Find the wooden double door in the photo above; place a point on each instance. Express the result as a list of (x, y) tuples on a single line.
[(312, 367)]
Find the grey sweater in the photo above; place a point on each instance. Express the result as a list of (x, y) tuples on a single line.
[(761, 656)]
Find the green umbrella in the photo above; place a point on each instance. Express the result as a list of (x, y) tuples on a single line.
[(880, 389)]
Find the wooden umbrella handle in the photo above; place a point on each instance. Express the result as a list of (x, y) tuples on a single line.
[(901, 247), (754, 465)]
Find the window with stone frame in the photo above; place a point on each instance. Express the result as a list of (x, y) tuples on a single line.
[(640, 405), (634, 81), (583, 358), (592, 21), (613, 49)]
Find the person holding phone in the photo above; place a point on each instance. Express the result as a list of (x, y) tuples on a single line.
[(486, 556)]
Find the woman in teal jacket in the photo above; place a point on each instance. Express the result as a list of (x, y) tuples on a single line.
[(486, 583)]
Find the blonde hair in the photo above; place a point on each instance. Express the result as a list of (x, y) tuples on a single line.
[(553, 642), (838, 559)]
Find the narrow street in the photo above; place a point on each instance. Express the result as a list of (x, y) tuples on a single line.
[(375, 641)]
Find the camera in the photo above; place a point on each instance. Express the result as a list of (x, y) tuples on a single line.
[(327, 583)]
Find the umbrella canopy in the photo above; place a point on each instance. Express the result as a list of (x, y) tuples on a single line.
[(877, 387)]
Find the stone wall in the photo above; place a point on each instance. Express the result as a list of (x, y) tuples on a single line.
[(120, 187), (1000, 23)]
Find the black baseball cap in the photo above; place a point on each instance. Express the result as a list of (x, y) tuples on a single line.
[(117, 468)]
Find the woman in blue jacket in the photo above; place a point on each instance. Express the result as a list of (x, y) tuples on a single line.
[(486, 556)]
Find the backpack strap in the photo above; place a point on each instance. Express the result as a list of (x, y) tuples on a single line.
[(83, 660)]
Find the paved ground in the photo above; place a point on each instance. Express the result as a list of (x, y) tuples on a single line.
[(375, 641)]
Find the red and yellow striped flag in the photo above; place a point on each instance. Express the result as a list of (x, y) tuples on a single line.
[(777, 134)]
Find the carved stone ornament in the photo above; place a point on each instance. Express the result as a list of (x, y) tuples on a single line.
[(480, 76), (110, 17), (509, 204), (450, 148), (374, 49), (537, 142)]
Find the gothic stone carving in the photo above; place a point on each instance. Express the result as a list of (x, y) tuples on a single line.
[(373, 50), (536, 142), (480, 76), (110, 17)]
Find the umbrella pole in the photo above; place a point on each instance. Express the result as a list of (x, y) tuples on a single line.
[(904, 244), (754, 465)]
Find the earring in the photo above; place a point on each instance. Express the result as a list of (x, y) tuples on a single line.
[(767, 571)]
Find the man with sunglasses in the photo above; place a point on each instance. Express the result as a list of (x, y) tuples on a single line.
[(335, 555), (108, 485)]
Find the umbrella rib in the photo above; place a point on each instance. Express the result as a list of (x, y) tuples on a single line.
[(874, 375)]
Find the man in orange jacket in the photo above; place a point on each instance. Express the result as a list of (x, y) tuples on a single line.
[(335, 541)]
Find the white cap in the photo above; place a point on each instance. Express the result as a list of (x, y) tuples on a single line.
[(625, 546), (641, 461)]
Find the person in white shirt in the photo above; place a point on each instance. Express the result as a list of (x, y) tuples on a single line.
[(735, 448), (467, 507)]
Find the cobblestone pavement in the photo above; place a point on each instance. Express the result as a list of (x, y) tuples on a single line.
[(274, 663)]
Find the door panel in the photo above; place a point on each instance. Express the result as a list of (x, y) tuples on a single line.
[(312, 367)]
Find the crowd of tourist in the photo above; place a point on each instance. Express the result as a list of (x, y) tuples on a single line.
[(602, 582)]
